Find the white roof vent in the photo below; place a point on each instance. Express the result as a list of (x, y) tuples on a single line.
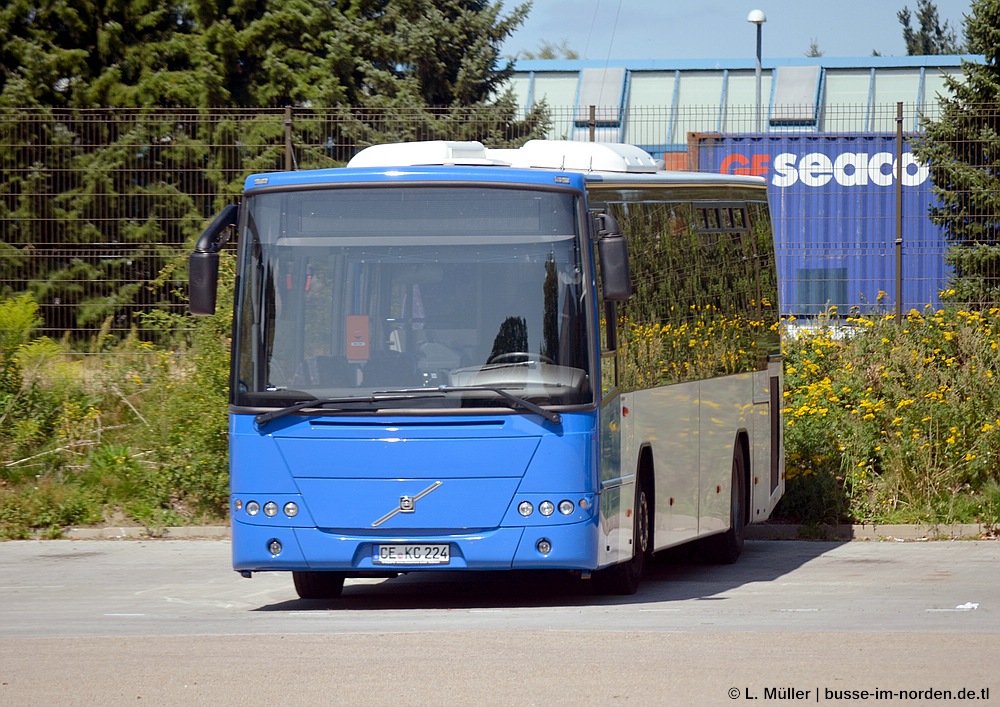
[(579, 156), (433, 152)]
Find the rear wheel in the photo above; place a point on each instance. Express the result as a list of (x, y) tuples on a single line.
[(318, 585), (624, 577), (726, 548)]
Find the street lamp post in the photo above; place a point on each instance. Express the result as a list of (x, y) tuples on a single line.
[(757, 17)]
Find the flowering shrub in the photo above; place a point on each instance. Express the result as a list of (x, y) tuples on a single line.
[(894, 422)]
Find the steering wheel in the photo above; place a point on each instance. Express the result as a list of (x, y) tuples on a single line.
[(522, 356)]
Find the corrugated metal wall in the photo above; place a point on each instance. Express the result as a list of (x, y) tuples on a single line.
[(833, 200)]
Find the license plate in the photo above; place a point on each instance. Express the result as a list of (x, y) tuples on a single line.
[(411, 554)]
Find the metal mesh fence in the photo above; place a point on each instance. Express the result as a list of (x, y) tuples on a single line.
[(98, 209)]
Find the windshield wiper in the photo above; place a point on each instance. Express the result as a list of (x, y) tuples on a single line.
[(265, 417), (554, 417)]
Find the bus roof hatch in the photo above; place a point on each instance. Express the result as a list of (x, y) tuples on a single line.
[(430, 152), (579, 156)]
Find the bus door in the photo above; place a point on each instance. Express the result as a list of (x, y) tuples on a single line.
[(617, 489)]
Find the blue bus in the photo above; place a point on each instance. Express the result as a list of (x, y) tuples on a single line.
[(449, 357)]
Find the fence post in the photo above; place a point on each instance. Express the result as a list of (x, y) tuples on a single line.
[(899, 212), (289, 157), (592, 122)]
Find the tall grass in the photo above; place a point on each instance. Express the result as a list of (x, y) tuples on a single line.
[(134, 435)]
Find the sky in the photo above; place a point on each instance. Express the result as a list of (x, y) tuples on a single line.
[(718, 29)]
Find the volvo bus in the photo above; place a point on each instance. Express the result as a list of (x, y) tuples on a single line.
[(449, 357)]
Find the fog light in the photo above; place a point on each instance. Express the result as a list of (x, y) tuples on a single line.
[(274, 547), (525, 508), (253, 508), (546, 508), (544, 546), (270, 509), (566, 507), (291, 509)]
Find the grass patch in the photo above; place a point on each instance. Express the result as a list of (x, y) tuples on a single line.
[(136, 434)]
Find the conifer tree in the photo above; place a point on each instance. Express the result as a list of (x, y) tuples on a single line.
[(931, 37), (959, 148), (86, 198)]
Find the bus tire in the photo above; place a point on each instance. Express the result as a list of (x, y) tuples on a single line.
[(318, 585), (623, 578), (725, 548)]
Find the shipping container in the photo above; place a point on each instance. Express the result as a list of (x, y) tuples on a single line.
[(833, 201)]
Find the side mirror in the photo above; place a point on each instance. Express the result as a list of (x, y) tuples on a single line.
[(612, 248), (203, 282), (203, 263)]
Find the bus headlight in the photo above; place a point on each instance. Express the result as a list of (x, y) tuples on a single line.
[(291, 509), (566, 507), (253, 508), (546, 508), (270, 509), (525, 508)]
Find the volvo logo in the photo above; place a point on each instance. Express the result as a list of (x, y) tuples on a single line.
[(407, 504)]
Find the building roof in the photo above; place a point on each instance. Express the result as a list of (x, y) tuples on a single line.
[(656, 104)]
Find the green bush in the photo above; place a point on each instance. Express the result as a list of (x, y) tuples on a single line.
[(894, 423), (134, 435)]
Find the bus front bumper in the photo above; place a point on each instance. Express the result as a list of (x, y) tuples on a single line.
[(570, 546)]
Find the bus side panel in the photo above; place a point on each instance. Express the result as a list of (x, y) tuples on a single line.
[(724, 412), (667, 419)]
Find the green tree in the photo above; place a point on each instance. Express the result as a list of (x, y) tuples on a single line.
[(440, 57), (445, 52), (959, 148), (69, 53), (548, 50), (87, 198), (931, 37)]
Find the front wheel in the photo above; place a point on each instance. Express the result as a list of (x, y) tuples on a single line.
[(623, 578), (318, 585)]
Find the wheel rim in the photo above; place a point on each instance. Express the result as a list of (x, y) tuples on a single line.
[(642, 523)]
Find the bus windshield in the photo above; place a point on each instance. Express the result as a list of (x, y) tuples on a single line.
[(349, 291)]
